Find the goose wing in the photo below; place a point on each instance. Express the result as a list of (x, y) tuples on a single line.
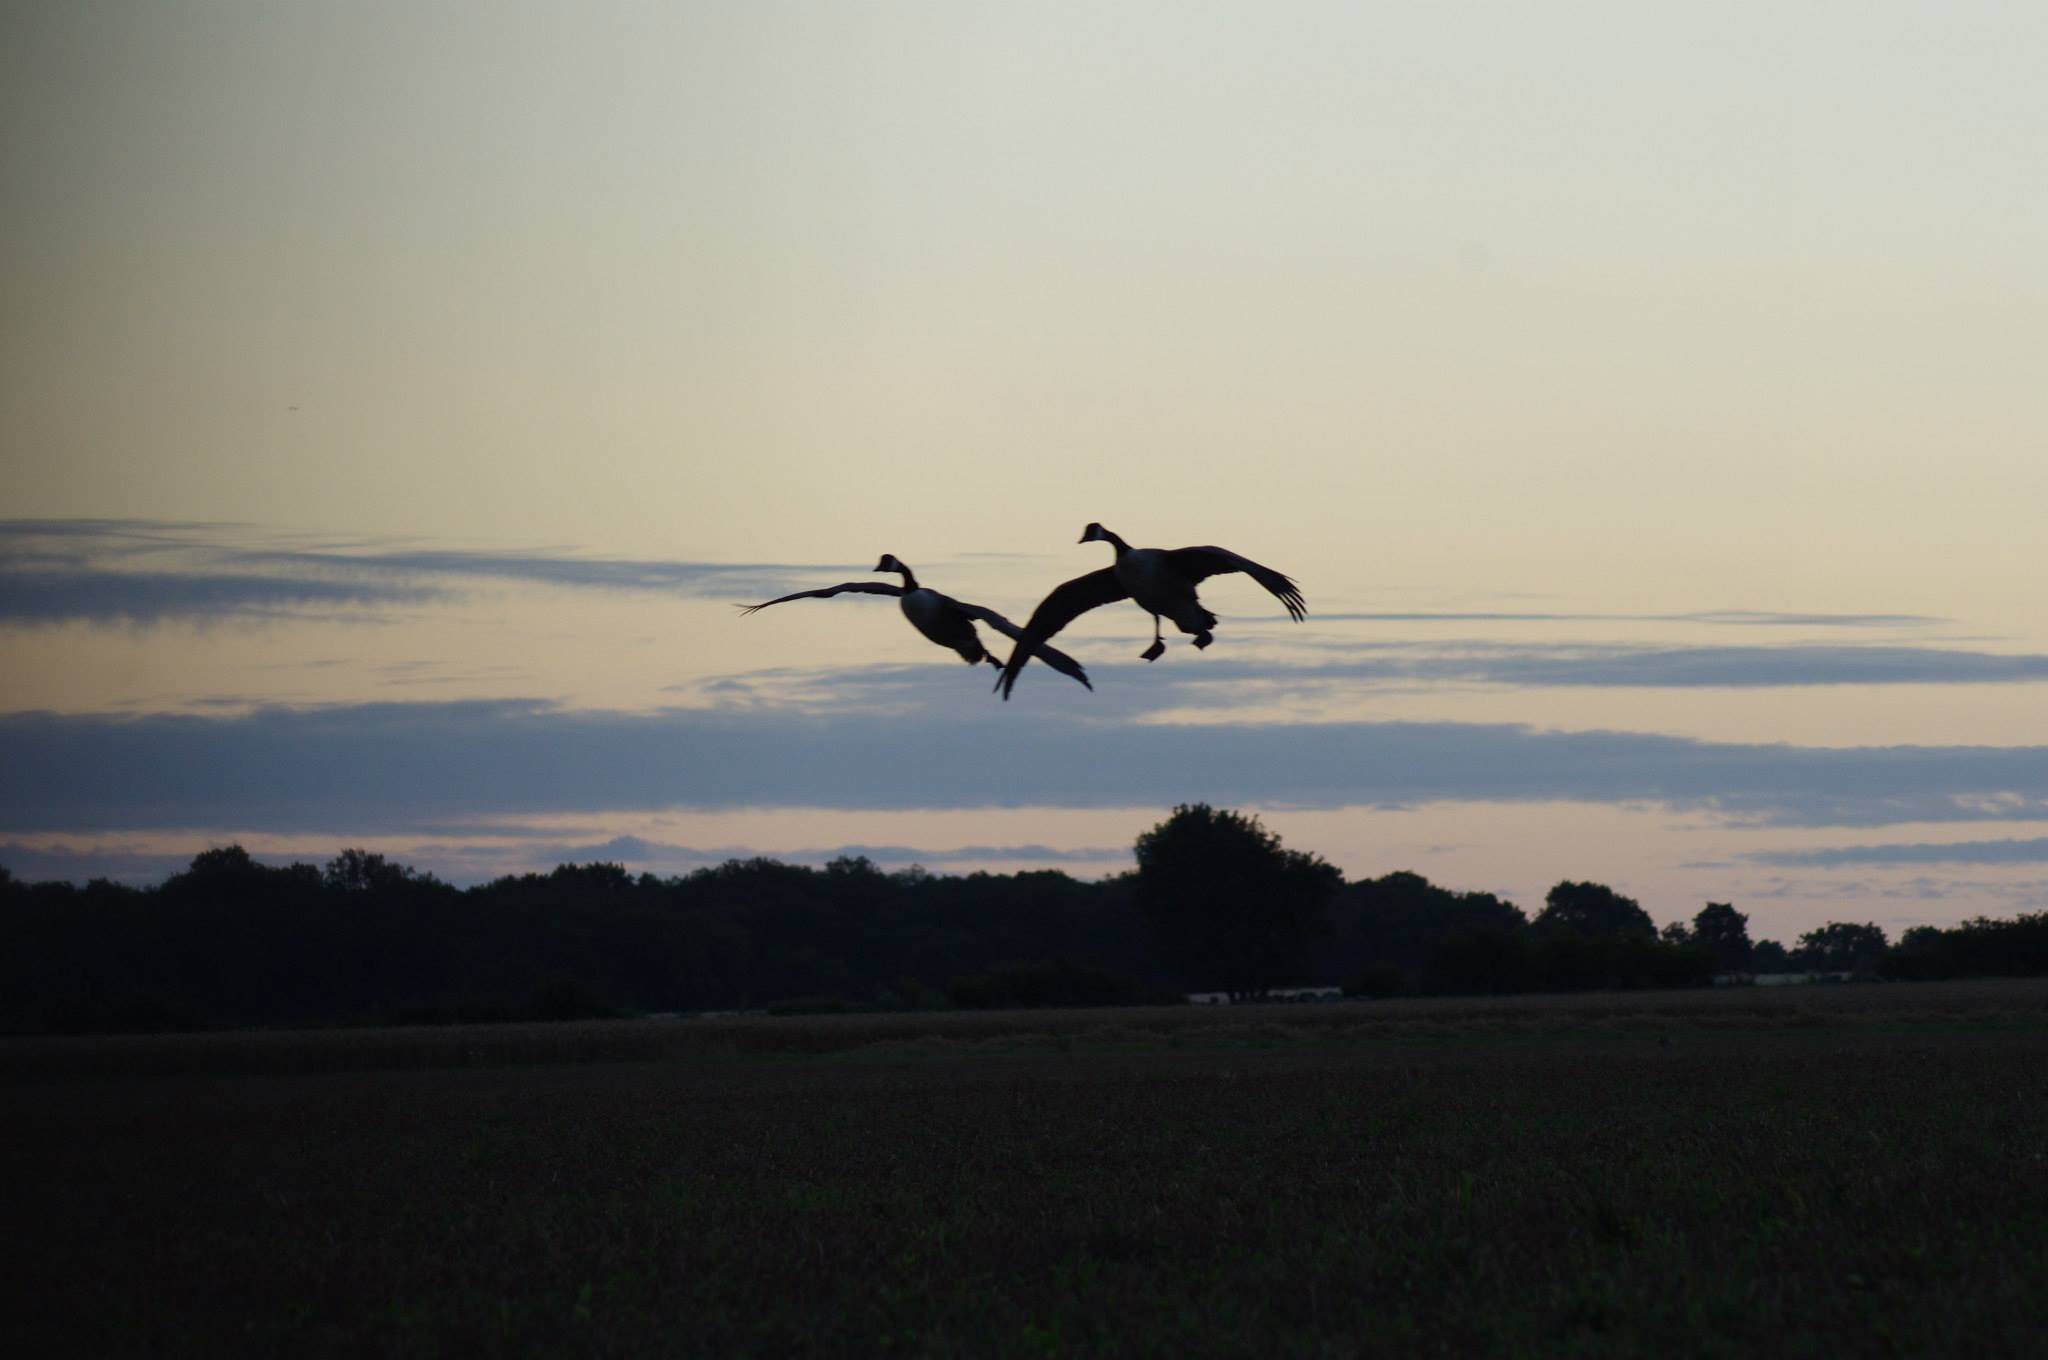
[(1051, 656), (1198, 564), (860, 587), (1066, 603)]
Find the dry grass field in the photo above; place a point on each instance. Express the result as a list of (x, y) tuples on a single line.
[(1843, 1170)]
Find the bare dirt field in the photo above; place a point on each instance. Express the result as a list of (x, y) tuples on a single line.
[(1848, 1169)]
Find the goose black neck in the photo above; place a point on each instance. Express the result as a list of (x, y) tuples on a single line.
[(1115, 542), (909, 581)]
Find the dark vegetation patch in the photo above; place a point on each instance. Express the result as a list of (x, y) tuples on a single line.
[(1857, 1170)]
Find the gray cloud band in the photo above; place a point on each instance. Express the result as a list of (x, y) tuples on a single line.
[(410, 767)]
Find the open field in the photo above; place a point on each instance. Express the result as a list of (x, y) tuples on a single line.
[(1845, 1170)]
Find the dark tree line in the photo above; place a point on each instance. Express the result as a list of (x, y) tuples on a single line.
[(1976, 948), (233, 942), (1215, 904)]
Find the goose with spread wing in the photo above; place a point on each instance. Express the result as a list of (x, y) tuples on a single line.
[(943, 619), (1162, 581)]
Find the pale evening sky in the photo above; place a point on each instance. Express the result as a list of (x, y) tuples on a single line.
[(395, 397)]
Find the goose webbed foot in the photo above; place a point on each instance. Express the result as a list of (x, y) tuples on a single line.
[(1203, 639), (1155, 651)]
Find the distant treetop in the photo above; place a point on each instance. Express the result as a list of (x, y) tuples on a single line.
[(1593, 909)]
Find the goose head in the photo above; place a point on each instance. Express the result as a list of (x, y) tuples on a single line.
[(889, 563), (1095, 533)]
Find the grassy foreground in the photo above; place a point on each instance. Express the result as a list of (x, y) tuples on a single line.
[(1848, 1171)]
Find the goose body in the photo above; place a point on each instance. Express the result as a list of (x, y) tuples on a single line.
[(943, 622), (1149, 578), (1161, 581), (941, 618)]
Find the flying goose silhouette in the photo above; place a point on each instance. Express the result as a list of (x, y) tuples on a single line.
[(1162, 581), (943, 619)]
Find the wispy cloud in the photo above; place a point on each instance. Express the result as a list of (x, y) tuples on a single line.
[(147, 572), (141, 572), (1751, 618), (1861, 895), (643, 855), (409, 767), (1625, 665), (736, 579), (76, 864), (1127, 688), (2030, 850), (57, 595)]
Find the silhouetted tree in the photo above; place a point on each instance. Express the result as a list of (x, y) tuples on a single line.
[(1839, 947), (1487, 961), (1592, 909), (1376, 980), (222, 864), (1921, 954), (1057, 982), (1232, 908), (1724, 930), (1922, 937), (1399, 922), (360, 871), (1768, 956)]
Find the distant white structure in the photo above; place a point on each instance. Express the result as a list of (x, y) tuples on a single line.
[(1776, 979), (1270, 994)]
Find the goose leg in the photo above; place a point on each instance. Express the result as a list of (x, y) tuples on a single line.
[(1158, 647), (1203, 639)]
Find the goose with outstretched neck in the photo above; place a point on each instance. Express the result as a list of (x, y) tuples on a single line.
[(943, 619)]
